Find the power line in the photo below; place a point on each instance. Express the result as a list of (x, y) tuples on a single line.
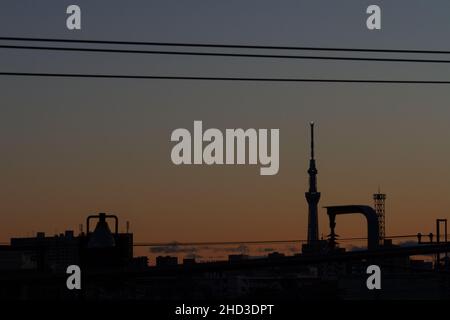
[(216, 243), (162, 244), (243, 79), (222, 54), (157, 244), (212, 45)]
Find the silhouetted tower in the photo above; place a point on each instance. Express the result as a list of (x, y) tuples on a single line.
[(312, 196), (379, 200)]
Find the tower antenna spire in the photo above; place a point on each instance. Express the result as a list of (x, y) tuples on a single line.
[(312, 195), (312, 139)]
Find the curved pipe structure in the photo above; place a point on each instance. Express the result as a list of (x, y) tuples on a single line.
[(373, 238)]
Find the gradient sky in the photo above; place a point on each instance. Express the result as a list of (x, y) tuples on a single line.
[(73, 147)]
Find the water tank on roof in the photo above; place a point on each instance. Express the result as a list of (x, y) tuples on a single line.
[(102, 237)]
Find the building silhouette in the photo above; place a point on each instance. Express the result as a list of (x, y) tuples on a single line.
[(100, 248)]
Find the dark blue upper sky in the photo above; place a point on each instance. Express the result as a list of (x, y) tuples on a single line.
[(71, 147)]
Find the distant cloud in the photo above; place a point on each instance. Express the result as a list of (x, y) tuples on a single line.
[(242, 249), (292, 249), (193, 256), (357, 248), (266, 249), (173, 248), (408, 243)]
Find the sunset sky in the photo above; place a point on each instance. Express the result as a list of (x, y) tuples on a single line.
[(74, 147)]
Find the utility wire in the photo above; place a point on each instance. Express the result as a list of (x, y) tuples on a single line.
[(230, 46), (222, 54), (155, 244), (161, 244), (174, 243), (242, 79)]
